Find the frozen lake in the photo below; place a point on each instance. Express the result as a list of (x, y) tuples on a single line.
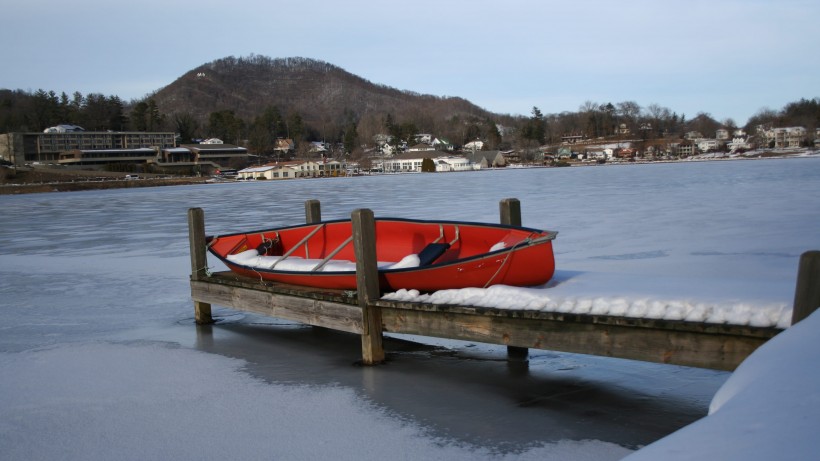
[(98, 341)]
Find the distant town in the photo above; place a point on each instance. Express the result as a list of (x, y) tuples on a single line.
[(70, 147)]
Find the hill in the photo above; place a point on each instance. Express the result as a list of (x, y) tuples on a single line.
[(319, 92)]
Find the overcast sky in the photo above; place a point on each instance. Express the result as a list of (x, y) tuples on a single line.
[(728, 58)]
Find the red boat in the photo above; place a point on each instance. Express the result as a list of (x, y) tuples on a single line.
[(422, 255)]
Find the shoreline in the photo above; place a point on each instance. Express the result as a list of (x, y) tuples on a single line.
[(81, 185), (78, 183)]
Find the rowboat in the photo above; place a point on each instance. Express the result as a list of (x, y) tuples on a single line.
[(411, 254)]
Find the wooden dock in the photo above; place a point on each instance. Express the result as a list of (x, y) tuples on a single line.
[(361, 312)]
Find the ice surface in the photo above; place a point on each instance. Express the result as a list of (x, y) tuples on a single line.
[(95, 303), (154, 401)]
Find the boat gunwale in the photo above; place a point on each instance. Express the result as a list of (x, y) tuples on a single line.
[(524, 244), (409, 220)]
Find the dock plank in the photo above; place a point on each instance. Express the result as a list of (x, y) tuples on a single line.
[(694, 344), (334, 310)]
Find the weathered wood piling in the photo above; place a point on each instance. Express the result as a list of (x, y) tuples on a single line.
[(510, 214), (807, 290), (365, 314), (367, 284), (199, 261)]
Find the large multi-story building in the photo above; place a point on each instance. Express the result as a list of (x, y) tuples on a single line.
[(792, 136), (216, 152), (77, 148), (46, 147)]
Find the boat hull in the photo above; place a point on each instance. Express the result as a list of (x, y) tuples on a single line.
[(476, 255)]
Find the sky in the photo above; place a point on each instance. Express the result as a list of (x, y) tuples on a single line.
[(727, 58)]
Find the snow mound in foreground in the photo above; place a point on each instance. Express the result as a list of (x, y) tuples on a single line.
[(768, 409)]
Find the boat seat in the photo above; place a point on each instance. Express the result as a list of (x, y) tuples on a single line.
[(429, 254)]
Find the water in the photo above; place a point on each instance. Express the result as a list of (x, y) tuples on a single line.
[(112, 266)]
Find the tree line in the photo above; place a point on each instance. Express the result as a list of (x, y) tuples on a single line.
[(351, 130), (23, 111)]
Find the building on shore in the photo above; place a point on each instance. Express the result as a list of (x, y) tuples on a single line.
[(216, 153), (71, 147), (46, 147), (294, 169)]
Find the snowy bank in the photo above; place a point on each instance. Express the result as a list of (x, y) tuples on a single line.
[(768, 409)]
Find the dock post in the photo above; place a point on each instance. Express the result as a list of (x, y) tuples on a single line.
[(807, 290), (313, 215), (199, 260), (510, 211), (367, 285), (313, 211)]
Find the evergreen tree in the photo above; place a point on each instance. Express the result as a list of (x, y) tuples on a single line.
[(259, 139), (272, 121), (186, 126), (155, 119), (139, 117), (46, 110), (535, 129), (97, 114), (350, 137), (117, 119), (492, 135), (263, 131), (393, 130), (226, 126), (295, 127), (428, 165)]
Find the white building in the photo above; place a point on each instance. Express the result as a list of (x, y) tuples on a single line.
[(411, 162), (425, 138), (387, 149), (331, 168), (452, 163), (739, 143), (291, 170), (421, 148), (318, 147), (442, 144), (787, 137), (596, 155), (707, 145), (64, 129), (474, 145), (405, 163), (256, 172)]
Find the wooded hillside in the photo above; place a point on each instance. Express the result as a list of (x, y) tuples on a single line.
[(319, 91), (326, 98)]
